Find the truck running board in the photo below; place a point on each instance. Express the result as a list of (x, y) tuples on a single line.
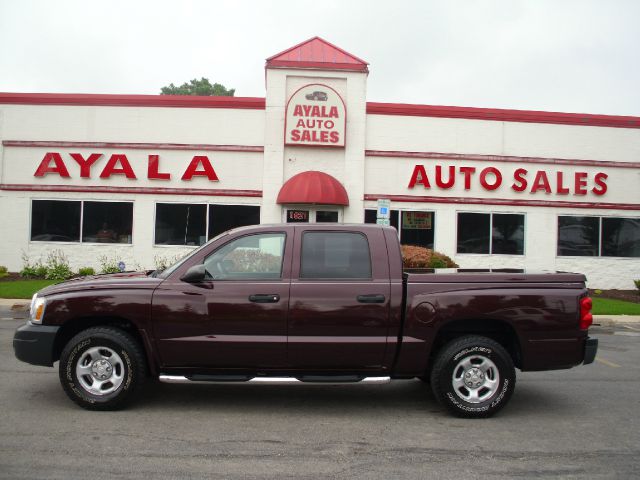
[(307, 380)]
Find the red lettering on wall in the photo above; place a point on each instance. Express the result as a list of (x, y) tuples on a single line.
[(541, 182), (207, 169), (561, 190), (483, 178), (581, 183), (599, 180), (520, 181), (452, 177), (467, 172), (58, 166), (419, 176), (153, 168), (85, 165), (111, 168)]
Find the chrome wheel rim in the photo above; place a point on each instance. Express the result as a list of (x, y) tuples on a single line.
[(475, 379), (100, 371)]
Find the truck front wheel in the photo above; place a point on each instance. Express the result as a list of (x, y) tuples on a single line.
[(101, 367), (473, 376)]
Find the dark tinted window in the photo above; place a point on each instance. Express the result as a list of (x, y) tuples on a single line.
[(55, 221), (326, 216), (107, 222), (620, 237), (226, 217), (417, 229), (507, 236), (473, 232), (370, 217), (180, 224), (335, 255), (578, 236)]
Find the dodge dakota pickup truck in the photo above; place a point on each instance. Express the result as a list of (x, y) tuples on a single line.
[(308, 303)]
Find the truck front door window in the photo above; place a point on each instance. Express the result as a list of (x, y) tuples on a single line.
[(253, 257)]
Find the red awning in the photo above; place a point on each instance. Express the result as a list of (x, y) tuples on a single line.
[(313, 187)]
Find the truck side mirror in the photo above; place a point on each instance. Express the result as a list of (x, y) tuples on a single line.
[(194, 274)]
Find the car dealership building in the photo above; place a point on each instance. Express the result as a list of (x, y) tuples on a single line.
[(144, 178)]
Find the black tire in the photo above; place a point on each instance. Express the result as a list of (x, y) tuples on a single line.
[(123, 357), (492, 377)]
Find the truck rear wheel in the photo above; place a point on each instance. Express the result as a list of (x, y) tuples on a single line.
[(473, 376), (101, 368)]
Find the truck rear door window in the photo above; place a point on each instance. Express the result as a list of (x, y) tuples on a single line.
[(335, 255)]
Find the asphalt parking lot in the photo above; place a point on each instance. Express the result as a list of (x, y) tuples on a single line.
[(579, 423)]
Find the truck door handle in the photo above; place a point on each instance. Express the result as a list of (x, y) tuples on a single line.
[(370, 298), (265, 298)]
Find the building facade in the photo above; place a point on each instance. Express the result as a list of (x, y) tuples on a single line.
[(143, 179)]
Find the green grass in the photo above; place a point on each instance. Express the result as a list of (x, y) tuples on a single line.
[(606, 306), (23, 288)]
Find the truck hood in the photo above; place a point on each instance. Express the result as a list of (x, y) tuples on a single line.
[(128, 280)]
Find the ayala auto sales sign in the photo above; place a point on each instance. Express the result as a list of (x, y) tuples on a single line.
[(316, 116)]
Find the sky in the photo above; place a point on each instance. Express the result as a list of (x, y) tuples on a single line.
[(554, 55)]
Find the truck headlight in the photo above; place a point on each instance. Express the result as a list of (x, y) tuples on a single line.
[(36, 312)]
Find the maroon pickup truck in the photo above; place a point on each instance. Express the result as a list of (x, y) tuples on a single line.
[(308, 303)]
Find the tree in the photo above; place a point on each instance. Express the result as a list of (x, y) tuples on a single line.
[(200, 87)]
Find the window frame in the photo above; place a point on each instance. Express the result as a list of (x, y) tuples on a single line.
[(490, 253), (600, 223), (81, 225), (207, 204), (400, 210), (284, 252), (300, 278)]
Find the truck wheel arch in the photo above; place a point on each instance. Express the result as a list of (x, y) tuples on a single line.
[(72, 327), (497, 330)]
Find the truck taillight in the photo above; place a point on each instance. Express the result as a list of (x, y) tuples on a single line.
[(586, 318)]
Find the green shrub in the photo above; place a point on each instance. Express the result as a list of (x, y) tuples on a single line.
[(32, 270), (420, 257), (637, 284), (4, 271), (84, 271), (57, 266), (108, 265)]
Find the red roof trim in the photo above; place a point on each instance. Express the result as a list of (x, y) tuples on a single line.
[(309, 60), (528, 116), (176, 101), (501, 201), (209, 192), (136, 146), (501, 158)]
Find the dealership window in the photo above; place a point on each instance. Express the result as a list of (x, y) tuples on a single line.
[(495, 233), (65, 220), (55, 221), (226, 217), (107, 222), (192, 223), (415, 227), (598, 236), (335, 255)]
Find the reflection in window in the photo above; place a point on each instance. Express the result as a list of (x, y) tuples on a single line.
[(226, 217), (578, 236), (252, 257), (496, 233), (621, 237), (55, 221), (107, 222), (335, 255), (180, 224)]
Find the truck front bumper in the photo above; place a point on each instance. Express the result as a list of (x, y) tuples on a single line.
[(590, 350), (34, 344)]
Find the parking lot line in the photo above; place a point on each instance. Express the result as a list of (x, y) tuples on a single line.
[(632, 328), (607, 362)]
